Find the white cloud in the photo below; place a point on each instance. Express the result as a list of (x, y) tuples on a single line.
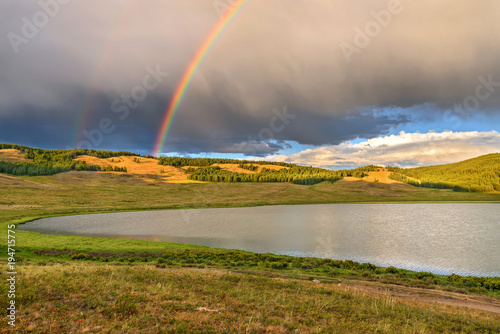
[(403, 149)]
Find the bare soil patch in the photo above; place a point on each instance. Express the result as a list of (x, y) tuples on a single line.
[(426, 295)]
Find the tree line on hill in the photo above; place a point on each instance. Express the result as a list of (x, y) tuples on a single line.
[(49, 162), (289, 173), (205, 162), (250, 167), (293, 174), (481, 174), (32, 169)]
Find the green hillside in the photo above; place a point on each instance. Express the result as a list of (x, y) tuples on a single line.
[(294, 174), (49, 162), (290, 173), (481, 174)]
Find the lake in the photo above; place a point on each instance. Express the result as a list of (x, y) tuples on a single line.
[(443, 238)]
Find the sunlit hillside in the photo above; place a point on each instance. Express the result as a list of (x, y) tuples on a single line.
[(22, 160), (481, 174)]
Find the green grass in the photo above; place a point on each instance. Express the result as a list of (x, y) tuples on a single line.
[(480, 174), (73, 289), (163, 255), (64, 297), (86, 192)]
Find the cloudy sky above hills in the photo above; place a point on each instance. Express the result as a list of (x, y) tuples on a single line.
[(334, 84)]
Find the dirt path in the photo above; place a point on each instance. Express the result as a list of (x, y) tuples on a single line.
[(426, 295), (403, 293)]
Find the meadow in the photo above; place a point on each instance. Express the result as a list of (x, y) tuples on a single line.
[(64, 297), (96, 285)]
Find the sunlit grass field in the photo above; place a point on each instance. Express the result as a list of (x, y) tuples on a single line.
[(74, 298), (79, 284)]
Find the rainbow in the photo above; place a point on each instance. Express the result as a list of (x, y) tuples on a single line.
[(195, 63)]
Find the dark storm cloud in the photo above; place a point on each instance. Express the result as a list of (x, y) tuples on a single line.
[(434, 59), (28, 126)]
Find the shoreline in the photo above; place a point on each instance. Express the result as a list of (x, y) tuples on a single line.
[(24, 220)]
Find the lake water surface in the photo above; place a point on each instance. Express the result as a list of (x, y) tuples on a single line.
[(445, 238)]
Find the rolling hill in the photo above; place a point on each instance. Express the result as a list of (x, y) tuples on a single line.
[(22, 160), (481, 174)]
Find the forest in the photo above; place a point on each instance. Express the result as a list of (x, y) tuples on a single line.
[(290, 173), (49, 162), (293, 174), (481, 174), (200, 162)]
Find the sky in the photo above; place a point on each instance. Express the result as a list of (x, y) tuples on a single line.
[(335, 84)]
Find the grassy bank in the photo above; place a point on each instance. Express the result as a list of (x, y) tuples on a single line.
[(64, 297), (49, 249)]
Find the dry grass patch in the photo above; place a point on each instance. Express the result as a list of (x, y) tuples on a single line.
[(236, 169), (12, 181), (369, 188), (63, 298), (149, 170), (12, 155), (140, 167), (380, 176)]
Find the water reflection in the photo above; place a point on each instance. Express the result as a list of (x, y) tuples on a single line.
[(441, 238)]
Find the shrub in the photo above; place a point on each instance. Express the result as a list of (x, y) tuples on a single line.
[(80, 256), (279, 265), (348, 264), (424, 274), (391, 270), (454, 278), (368, 266), (306, 265), (366, 274)]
